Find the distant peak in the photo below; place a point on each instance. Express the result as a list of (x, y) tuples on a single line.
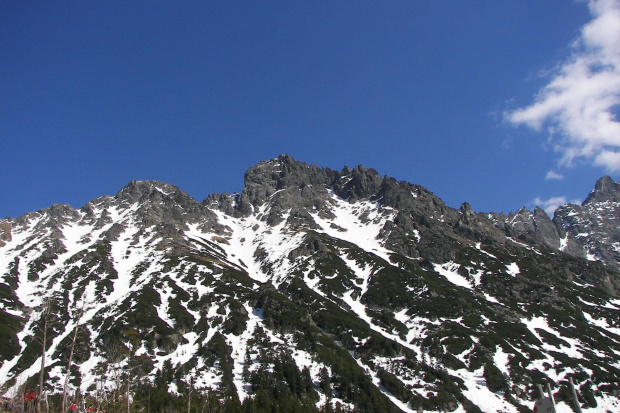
[(136, 183), (285, 157), (136, 190), (281, 159), (147, 185), (265, 178), (61, 211), (605, 189), (524, 211), (539, 212)]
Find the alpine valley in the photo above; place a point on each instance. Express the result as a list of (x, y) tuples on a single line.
[(312, 290)]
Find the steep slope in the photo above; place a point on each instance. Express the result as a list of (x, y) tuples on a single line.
[(323, 286)]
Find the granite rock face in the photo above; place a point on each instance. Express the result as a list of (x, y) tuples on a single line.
[(590, 230), (605, 190)]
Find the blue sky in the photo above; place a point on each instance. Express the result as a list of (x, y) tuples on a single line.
[(500, 104)]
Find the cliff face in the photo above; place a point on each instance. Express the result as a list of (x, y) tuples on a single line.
[(373, 291)]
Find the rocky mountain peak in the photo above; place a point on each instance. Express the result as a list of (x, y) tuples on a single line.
[(320, 287), (59, 214), (161, 203), (606, 189), (360, 183), (284, 172), (140, 191)]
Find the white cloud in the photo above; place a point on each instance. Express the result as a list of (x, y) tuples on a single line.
[(551, 204), (551, 175), (578, 104)]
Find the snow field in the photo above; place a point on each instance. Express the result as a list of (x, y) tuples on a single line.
[(364, 235), (450, 271), (478, 392), (541, 323), (250, 234)]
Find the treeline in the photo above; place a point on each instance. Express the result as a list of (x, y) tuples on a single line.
[(276, 386), (153, 398)]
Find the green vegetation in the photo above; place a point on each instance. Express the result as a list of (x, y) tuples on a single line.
[(10, 325)]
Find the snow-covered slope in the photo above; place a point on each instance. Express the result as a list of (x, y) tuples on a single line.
[(343, 287)]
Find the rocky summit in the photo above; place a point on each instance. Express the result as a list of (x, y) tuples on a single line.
[(312, 290)]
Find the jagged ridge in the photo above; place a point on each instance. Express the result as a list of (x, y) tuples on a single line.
[(383, 297)]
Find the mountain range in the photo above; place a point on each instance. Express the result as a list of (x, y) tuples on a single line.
[(335, 289)]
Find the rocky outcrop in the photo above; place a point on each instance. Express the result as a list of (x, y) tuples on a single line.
[(5, 232), (593, 229), (605, 190), (360, 183), (590, 230)]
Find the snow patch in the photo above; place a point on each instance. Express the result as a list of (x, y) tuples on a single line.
[(513, 269), (450, 271)]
